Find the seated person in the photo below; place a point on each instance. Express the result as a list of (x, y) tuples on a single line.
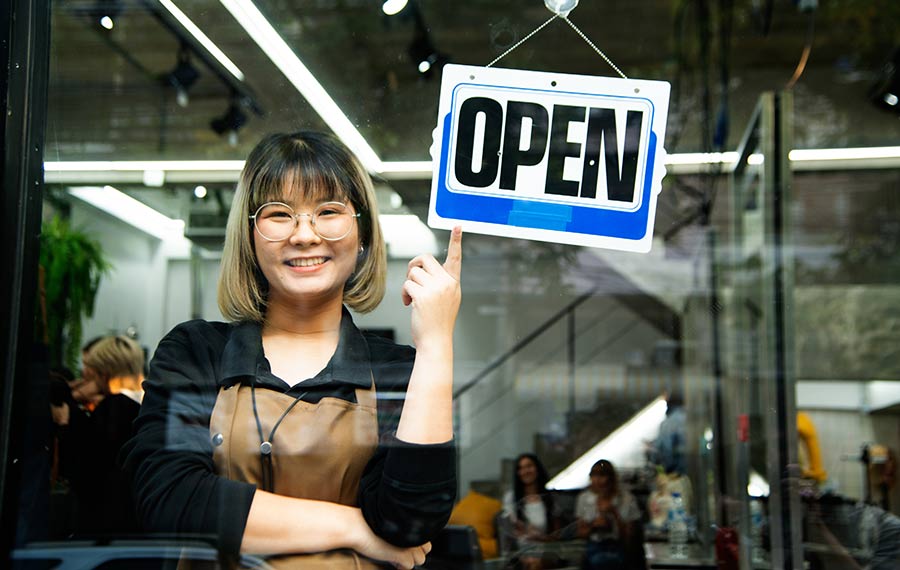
[(607, 517), (531, 510)]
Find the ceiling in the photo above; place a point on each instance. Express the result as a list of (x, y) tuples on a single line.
[(109, 98)]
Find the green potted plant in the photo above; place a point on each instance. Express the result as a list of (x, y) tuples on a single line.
[(71, 265)]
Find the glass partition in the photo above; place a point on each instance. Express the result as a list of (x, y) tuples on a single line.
[(740, 381)]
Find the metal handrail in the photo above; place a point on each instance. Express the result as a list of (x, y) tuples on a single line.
[(523, 343)]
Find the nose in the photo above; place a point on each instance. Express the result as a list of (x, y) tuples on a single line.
[(304, 232)]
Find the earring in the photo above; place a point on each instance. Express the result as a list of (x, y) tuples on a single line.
[(362, 250)]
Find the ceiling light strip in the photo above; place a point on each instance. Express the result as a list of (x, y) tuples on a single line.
[(204, 40), (133, 212), (828, 159), (141, 165), (265, 36)]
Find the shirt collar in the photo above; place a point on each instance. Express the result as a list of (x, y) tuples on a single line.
[(243, 355)]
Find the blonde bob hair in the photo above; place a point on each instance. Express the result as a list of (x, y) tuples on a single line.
[(320, 168), (115, 357)]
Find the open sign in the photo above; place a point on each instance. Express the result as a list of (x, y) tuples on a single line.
[(552, 157)]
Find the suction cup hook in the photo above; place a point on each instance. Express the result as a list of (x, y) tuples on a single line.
[(561, 7)]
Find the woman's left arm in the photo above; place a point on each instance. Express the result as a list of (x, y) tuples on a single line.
[(409, 487), (433, 292)]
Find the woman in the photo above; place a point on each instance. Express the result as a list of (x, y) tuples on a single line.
[(531, 510), (264, 431), (607, 516)]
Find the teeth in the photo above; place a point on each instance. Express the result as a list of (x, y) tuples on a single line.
[(306, 262)]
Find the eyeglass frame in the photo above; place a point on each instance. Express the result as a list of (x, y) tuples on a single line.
[(296, 216)]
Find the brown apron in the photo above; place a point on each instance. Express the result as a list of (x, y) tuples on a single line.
[(318, 452)]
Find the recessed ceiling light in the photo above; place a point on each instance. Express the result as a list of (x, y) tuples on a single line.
[(200, 191)]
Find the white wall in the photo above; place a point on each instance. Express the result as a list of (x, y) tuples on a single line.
[(841, 433), (132, 293)]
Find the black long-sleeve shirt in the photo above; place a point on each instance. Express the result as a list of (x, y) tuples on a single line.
[(406, 493)]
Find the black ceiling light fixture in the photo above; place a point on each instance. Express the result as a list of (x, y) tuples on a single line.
[(104, 13), (422, 52), (885, 94), (183, 77), (231, 122)]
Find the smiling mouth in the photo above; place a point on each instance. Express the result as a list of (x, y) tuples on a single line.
[(306, 261)]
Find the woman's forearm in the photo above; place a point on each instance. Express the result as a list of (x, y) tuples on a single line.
[(278, 525), (427, 415), (285, 525)]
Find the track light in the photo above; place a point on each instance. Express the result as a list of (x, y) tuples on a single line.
[(424, 55), (885, 94), (393, 7), (229, 123), (183, 76), (103, 13)]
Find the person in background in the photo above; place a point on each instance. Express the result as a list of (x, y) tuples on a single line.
[(532, 512), (607, 518), (85, 390), (670, 445), (91, 442), (264, 432)]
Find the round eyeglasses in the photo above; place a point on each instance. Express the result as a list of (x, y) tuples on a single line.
[(276, 221)]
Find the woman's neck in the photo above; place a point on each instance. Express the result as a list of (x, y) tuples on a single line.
[(531, 489), (308, 319), (121, 383)]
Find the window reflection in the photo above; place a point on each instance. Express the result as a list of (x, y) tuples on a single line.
[(752, 351)]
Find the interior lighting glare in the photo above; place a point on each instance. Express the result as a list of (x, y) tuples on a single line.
[(198, 34), (859, 153), (617, 447), (141, 165), (406, 236), (274, 46), (133, 212), (424, 66), (891, 99), (392, 7), (757, 486), (107, 22), (200, 192)]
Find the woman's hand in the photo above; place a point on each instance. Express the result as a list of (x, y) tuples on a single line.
[(371, 546), (433, 291), (60, 414)]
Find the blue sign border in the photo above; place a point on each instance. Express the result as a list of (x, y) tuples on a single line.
[(525, 213)]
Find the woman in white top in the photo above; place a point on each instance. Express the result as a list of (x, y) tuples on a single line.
[(531, 510), (606, 517)]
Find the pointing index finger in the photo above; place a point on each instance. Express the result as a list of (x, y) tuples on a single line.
[(453, 263)]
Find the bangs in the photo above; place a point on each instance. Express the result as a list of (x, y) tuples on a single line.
[(299, 174)]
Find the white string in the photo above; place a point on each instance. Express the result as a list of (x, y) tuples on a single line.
[(596, 49), (523, 40), (574, 27)]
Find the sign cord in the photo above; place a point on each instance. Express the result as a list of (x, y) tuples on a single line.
[(523, 40), (574, 27), (596, 49)]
